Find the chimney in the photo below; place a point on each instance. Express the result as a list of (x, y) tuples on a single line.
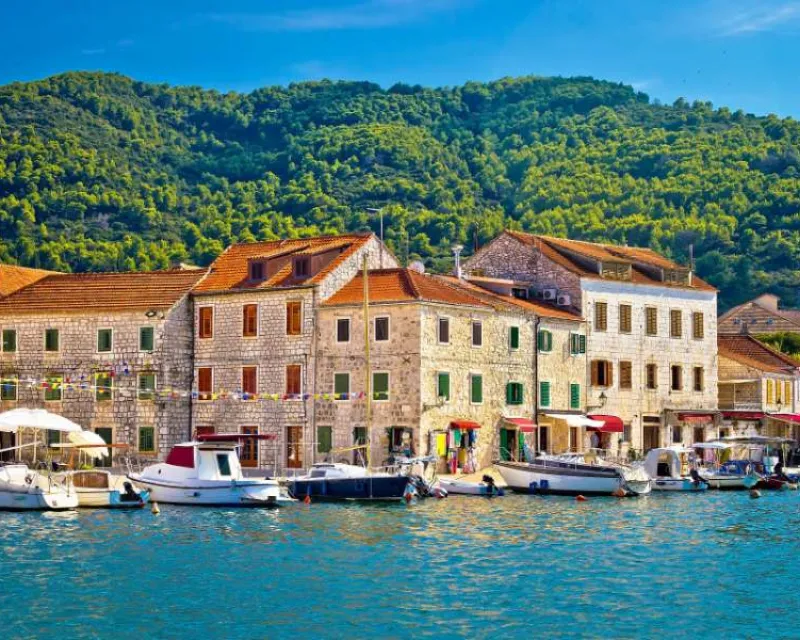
[(457, 249)]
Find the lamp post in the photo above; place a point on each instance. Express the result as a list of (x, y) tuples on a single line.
[(380, 213)]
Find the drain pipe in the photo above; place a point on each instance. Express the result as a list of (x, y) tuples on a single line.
[(535, 393)]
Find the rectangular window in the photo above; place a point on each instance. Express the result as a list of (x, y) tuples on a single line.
[(651, 321), (380, 386), (51, 341), (104, 386), (224, 465), (53, 390), (675, 323), (600, 316), (147, 339), (770, 392), (341, 386), (9, 340), (53, 438), (294, 447), (787, 392), (301, 267), (205, 383), (513, 338), (294, 382), (342, 330), (625, 375), (443, 386), (577, 343), (676, 377), (574, 396), (250, 320), (625, 318), (147, 386), (248, 457), (382, 329), (477, 334), (250, 380), (602, 373), (8, 388), (294, 318), (515, 393), (324, 439), (476, 388), (444, 331), (205, 322), (778, 394), (257, 270), (544, 394), (677, 435), (545, 341), (698, 379), (698, 326), (147, 439), (651, 376), (104, 340)]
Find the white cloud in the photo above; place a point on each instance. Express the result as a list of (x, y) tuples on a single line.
[(759, 17)]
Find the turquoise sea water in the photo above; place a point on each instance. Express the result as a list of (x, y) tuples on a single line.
[(664, 566)]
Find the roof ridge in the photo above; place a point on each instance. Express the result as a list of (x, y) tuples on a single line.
[(411, 284)]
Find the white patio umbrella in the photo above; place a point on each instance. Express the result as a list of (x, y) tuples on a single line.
[(84, 438), (17, 419)]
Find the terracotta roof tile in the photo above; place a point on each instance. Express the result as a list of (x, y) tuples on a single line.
[(13, 278), (95, 292), (747, 350), (230, 270), (402, 285)]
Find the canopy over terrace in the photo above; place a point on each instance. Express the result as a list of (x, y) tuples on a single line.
[(563, 431), (16, 419)]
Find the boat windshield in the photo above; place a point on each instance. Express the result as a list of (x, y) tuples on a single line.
[(224, 464)]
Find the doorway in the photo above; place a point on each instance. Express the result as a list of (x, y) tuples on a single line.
[(544, 439), (509, 445), (107, 434), (249, 455), (650, 433), (7, 440), (294, 447), (359, 440)]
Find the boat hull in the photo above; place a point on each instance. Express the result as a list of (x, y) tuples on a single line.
[(210, 493), (555, 480), (731, 482), (678, 484), (366, 488), (460, 488), (109, 499), (12, 499)]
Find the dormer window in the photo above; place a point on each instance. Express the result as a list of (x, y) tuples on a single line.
[(257, 270), (615, 270), (301, 267), (674, 276)]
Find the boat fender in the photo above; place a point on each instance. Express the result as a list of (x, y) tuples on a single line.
[(533, 487), (307, 499), (755, 493), (154, 509), (619, 492), (580, 498)]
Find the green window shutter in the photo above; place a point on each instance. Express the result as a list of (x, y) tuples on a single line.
[(9, 340), (147, 386), (514, 337), (544, 394), (341, 384), (324, 439), (444, 385), (540, 341), (477, 389), (515, 393), (147, 439), (545, 340), (582, 343), (146, 338), (574, 396), (549, 341), (510, 393)]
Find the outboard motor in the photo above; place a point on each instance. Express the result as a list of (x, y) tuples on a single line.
[(129, 494), (696, 478)]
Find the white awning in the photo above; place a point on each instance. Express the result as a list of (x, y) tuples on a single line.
[(35, 419), (711, 445), (576, 420)]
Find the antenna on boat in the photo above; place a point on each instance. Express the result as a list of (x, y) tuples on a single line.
[(368, 368)]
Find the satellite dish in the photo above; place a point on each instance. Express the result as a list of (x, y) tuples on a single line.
[(417, 266)]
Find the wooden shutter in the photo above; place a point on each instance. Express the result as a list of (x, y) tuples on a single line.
[(625, 375), (293, 379), (294, 318), (625, 318), (205, 378), (600, 316), (250, 320), (698, 328), (675, 323), (595, 369), (651, 321), (250, 380), (206, 328), (609, 373)]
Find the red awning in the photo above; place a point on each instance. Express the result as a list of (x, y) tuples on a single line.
[(613, 424), (523, 424), (464, 424), (742, 415), (786, 417), (234, 437), (696, 417)]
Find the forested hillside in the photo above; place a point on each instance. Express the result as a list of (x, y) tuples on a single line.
[(98, 172)]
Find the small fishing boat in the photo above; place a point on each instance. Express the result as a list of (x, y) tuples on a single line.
[(573, 474), (207, 472), (337, 481), (98, 488), (726, 476), (764, 457), (671, 469), (464, 488)]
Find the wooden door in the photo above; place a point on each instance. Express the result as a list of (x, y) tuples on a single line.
[(107, 434), (650, 437), (294, 447), (249, 454)]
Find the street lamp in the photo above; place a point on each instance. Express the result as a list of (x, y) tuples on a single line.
[(380, 213)]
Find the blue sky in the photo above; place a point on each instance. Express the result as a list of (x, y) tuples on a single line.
[(737, 53)]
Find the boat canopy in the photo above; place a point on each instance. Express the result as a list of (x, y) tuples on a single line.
[(715, 444), (671, 456), (757, 440), (182, 455), (16, 419), (611, 424), (576, 420)]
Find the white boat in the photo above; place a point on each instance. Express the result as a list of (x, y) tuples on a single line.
[(26, 489), (671, 469), (726, 476), (573, 474), (465, 488), (99, 488), (208, 473)]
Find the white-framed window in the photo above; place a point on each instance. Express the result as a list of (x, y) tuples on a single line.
[(443, 330), (443, 386), (105, 340), (147, 386), (476, 388), (147, 339), (381, 329), (9, 386), (342, 330)]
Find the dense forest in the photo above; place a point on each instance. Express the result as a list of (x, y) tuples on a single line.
[(100, 172)]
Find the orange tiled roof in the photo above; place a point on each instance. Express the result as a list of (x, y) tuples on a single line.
[(94, 292), (230, 270), (13, 278), (556, 248), (402, 285), (747, 350)]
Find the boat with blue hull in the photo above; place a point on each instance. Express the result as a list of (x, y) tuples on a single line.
[(334, 481)]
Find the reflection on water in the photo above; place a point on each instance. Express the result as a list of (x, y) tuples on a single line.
[(661, 566)]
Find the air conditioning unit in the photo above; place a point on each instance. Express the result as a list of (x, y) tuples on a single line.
[(563, 300), (549, 294)]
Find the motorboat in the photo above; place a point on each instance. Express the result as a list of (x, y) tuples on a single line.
[(23, 488), (486, 487), (207, 472), (671, 469), (574, 474), (338, 481), (99, 488), (730, 475), (765, 455)]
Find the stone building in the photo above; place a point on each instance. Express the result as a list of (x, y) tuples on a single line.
[(111, 351), (761, 316), (757, 389), (651, 328), (255, 319), (13, 278)]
